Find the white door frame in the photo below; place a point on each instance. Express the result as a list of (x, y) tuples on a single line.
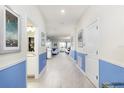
[(36, 46), (36, 38)]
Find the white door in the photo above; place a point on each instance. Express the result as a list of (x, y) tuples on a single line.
[(92, 48)]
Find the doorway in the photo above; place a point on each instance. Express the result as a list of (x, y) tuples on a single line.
[(32, 54)]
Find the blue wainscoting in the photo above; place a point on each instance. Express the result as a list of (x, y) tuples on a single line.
[(109, 73), (14, 76), (42, 61), (81, 60), (73, 54)]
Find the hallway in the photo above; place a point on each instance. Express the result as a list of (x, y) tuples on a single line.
[(87, 42), (61, 73)]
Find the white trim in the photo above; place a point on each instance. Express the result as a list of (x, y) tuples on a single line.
[(42, 52), (114, 62), (36, 39), (82, 71), (42, 72), (74, 61), (85, 74), (12, 64), (83, 52)]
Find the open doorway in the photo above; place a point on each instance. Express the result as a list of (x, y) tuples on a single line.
[(65, 47), (31, 51), (62, 46)]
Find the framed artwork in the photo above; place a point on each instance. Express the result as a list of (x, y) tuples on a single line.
[(31, 44), (42, 39), (80, 38), (55, 44), (71, 40), (10, 32)]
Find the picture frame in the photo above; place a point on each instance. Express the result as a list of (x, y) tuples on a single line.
[(80, 38), (72, 40), (10, 31), (42, 39), (31, 44)]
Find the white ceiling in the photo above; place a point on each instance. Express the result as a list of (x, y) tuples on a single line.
[(59, 25)]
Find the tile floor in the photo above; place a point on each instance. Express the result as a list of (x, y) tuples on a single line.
[(61, 72)]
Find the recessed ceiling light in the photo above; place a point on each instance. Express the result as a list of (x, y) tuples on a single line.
[(62, 11)]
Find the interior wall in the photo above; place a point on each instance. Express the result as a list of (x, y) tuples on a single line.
[(24, 12), (111, 29), (111, 49), (31, 12), (31, 56)]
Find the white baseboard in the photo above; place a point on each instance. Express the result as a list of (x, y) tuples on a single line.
[(13, 63), (77, 66), (72, 59), (82, 71), (42, 72)]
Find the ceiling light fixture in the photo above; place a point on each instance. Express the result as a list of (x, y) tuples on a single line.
[(62, 11)]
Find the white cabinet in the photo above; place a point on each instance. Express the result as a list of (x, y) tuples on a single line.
[(31, 64)]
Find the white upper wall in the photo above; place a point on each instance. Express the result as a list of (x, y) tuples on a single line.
[(26, 12), (111, 26)]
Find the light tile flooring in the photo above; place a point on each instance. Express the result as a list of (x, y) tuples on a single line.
[(61, 72)]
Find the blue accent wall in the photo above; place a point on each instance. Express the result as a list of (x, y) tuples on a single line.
[(73, 54), (42, 61), (14, 76), (110, 73), (81, 60)]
